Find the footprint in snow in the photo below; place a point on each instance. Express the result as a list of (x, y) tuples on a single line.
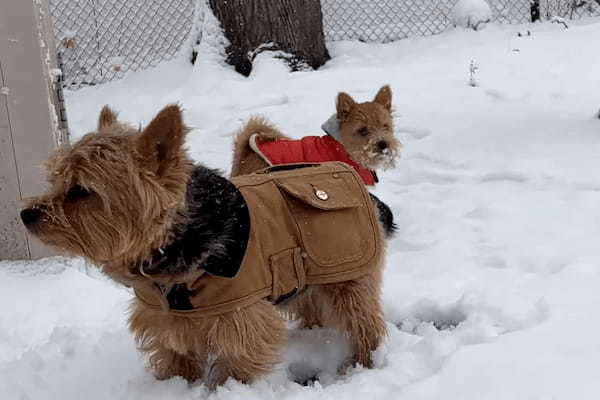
[(267, 101), (496, 94), (303, 374), (415, 133), (314, 355), (439, 162), (507, 176), (431, 314)]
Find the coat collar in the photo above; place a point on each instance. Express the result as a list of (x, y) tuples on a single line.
[(211, 235)]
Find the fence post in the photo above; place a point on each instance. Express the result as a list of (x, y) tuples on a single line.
[(535, 10), (29, 122)]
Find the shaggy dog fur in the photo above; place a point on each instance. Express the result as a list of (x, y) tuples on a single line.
[(366, 131), (125, 198)]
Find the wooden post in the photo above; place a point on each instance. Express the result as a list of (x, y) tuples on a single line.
[(30, 126), (535, 10)]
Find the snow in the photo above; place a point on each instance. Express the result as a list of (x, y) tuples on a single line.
[(471, 14), (491, 284)]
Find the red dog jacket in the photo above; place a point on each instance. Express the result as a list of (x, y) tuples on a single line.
[(308, 149)]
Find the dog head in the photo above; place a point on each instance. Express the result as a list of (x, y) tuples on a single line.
[(114, 194), (367, 129)]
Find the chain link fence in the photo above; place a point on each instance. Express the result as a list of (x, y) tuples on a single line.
[(100, 40), (389, 20)]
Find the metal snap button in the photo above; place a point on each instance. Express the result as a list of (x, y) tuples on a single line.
[(321, 194)]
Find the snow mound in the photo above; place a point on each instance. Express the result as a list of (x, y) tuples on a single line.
[(472, 14)]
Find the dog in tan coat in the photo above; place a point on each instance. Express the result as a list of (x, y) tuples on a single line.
[(212, 260)]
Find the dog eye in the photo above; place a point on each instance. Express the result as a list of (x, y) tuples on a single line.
[(363, 131), (77, 192)]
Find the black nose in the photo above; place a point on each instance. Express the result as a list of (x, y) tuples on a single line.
[(382, 145), (30, 215)]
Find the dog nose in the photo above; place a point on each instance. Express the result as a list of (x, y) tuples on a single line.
[(30, 216), (382, 145)]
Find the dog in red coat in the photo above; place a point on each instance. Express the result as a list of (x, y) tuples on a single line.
[(359, 134)]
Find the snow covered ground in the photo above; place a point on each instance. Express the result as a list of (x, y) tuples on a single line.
[(492, 285)]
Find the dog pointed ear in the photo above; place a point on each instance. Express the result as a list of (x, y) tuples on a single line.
[(384, 97), (344, 104), (162, 140), (107, 117)]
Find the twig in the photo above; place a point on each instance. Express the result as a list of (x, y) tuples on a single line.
[(559, 20)]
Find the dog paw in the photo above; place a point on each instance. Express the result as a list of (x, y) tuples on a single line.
[(315, 355)]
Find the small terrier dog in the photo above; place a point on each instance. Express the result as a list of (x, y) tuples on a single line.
[(359, 134), (212, 261)]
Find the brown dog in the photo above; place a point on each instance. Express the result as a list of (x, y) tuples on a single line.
[(361, 135), (207, 257)]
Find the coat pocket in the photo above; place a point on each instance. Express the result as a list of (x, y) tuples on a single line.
[(334, 221)]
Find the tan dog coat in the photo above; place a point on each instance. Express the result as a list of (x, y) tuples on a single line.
[(310, 224)]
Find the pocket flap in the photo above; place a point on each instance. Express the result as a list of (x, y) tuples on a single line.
[(325, 192), (333, 216), (287, 268)]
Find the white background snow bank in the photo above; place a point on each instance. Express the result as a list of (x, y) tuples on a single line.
[(472, 14), (491, 287)]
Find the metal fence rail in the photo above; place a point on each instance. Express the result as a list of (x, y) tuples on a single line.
[(100, 40)]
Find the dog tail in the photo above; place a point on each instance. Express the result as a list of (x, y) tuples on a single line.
[(386, 217), (259, 126)]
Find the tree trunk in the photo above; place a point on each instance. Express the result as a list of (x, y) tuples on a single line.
[(291, 26)]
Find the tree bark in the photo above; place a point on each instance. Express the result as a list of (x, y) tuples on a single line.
[(291, 26)]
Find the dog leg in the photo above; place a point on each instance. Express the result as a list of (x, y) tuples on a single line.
[(175, 344), (311, 317), (356, 310), (166, 364), (246, 343), (307, 308), (386, 217)]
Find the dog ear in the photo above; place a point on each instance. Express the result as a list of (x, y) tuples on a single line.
[(107, 117), (343, 105), (161, 141), (384, 97)]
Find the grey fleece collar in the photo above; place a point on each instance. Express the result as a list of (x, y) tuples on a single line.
[(332, 127)]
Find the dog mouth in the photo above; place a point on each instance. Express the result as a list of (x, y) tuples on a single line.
[(50, 230), (378, 154)]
